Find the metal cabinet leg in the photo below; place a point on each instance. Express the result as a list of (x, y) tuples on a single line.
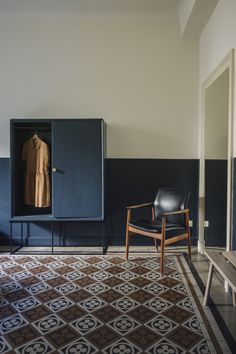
[(208, 285), (52, 235), (21, 233), (11, 238), (104, 237)]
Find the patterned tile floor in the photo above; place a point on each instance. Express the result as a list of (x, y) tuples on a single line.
[(98, 304)]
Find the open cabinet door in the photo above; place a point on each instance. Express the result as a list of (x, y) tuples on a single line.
[(77, 173)]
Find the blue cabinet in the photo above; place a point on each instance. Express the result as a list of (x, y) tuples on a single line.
[(78, 168), (77, 155)]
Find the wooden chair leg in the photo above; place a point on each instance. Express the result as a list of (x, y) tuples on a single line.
[(127, 243), (189, 248), (162, 256), (156, 245), (127, 233)]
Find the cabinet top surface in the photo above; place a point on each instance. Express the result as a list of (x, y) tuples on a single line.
[(48, 120)]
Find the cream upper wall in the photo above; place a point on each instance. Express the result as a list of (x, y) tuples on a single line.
[(135, 71), (216, 118), (216, 41)]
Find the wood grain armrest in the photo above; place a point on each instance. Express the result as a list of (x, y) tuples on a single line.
[(184, 211), (139, 206)]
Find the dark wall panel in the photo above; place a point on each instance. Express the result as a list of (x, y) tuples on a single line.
[(215, 202), (234, 205), (135, 181), (129, 181), (4, 199)]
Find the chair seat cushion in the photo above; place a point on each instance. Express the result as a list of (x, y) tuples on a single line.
[(156, 227)]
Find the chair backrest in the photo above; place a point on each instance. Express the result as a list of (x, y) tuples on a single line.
[(168, 200)]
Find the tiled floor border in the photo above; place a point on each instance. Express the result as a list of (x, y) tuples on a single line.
[(215, 312), (215, 335)]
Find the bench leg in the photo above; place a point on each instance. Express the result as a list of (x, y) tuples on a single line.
[(234, 297), (208, 285)]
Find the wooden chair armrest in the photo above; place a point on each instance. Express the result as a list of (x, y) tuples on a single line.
[(184, 211), (139, 206)]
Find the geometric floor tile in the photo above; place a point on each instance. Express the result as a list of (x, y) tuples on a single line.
[(106, 313), (59, 304), (112, 281), (201, 348), (6, 311), (48, 295), (26, 303), (158, 304), (168, 282), (177, 314), (122, 346), (97, 305), (71, 313), (79, 346), (143, 337), (161, 325), (127, 275), (123, 324), (184, 337), (153, 276), (3, 302), (48, 324), (125, 304), (193, 324), (172, 296), (37, 288), (4, 346), (96, 288), (126, 288), (11, 323), (8, 288), (22, 335), (140, 282), (92, 304), (16, 295), (140, 270), (165, 346), (39, 345), (100, 276), (114, 270), (110, 295), (86, 324), (102, 336), (142, 314), (46, 276), (141, 296), (61, 336), (67, 288), (155, 288), (186, 304)]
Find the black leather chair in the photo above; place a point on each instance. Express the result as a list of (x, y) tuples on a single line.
[(169, 222)]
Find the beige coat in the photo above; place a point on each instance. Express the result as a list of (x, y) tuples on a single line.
[(35, 153)]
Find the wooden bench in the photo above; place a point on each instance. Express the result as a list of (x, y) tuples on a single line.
[(225, 264)]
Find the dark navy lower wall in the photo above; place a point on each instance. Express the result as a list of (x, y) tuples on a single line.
[(4, 198), (129, 181), (135, 181), (215, 202), (234, 206)]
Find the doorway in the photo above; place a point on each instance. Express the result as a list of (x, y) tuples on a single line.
[(216, 158)]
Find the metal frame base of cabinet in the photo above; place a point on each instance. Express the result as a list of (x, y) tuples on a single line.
[(22, 220)]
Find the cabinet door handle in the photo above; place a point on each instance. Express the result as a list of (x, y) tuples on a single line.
[(54, 169)]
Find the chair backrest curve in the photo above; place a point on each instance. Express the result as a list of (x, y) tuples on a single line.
[(168, 200)]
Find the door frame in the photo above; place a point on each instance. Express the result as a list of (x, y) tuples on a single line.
[(227, 63)]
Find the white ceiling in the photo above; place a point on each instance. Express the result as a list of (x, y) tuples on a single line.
[(87, 6), (192, 14)]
